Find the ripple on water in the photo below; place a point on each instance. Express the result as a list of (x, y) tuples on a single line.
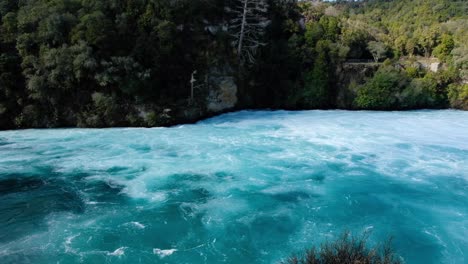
[(246, 187), (27, 201)]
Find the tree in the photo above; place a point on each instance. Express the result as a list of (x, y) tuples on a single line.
[(313, 33), (427, 38), (460, 60), (354, 36), (421, 93), (247, 27), (458, 96), (330, 27), (381, 91), (410, 46), (55, 54), (377, 49), (445, 47), (316, 81)]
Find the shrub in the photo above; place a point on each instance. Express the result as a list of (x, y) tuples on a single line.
[(105, 110), (421, 93), (445, 47), (316, 93), (30, 116), (413, 72), (151, 119), (347, 249), (458, 96), (381, 91)]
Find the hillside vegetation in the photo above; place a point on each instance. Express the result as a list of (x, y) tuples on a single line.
[(153, 62)]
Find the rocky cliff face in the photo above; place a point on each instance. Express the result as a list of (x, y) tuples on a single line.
[(216, 93), (222, 95), (222, 92)]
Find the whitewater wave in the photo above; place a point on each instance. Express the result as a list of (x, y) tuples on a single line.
[(259, 184)]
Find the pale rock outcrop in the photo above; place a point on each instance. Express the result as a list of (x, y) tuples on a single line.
[(223, 94)]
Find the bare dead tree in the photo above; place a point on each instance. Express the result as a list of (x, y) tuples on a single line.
[(192, 84), (196, 84), (248, 27)]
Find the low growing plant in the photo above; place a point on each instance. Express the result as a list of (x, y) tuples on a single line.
[(347, 249)]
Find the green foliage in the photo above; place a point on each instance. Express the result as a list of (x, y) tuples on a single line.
[(380, 92), (355, 37), (443, 51), (391, 88), (32, 116), (427, 38), (122, 72), (95, 63), (412, 72), (151, 119), (378, 50), (347, 249), (331, 28), (458, 96), (58, 55), (420, 93), (95, 29), (104, 111), (317, 91), (314, 32), (409, 27), (460, 60), (9, 27)]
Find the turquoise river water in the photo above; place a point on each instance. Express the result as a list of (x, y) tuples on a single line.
[(245, 187)]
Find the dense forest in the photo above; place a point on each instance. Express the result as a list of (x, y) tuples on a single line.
[(158, 62)]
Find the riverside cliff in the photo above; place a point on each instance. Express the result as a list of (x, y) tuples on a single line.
[(68, 63)]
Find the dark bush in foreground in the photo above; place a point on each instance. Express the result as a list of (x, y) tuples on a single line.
[(347, 249)]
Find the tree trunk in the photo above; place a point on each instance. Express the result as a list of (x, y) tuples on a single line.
[(242, 32)]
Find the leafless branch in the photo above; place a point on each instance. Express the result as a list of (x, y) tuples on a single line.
[(248, 27)]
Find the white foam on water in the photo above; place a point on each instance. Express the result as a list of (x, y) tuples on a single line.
[(68, 242), (162, 253), (138, 225), (250, 179), (118, 252)]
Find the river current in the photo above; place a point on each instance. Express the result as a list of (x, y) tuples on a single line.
[(244, 187)]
